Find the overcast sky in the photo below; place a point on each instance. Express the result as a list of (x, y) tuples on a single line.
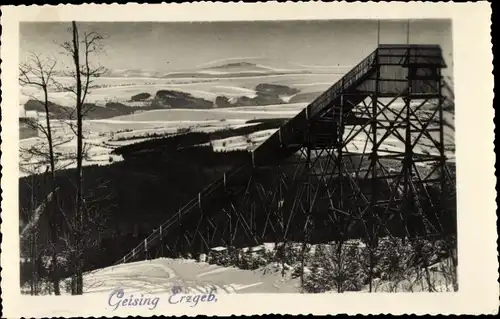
[(176, 46)]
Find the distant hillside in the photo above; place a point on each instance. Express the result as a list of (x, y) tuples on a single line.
[(179, 99), (233, 70), (135, 73), (233, 67), (206, 74), (275, 64), (92, 111), (267, 94), (240, 67), (220, 70)]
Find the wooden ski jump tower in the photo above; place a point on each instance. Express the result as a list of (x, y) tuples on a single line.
[(333, 172)]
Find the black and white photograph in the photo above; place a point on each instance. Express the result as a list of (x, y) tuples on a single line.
[(298, 156), (171, 163)]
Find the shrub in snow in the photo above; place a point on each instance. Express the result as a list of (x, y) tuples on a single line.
[(336, 267), (246, 260), (315, 282), (226, 258), (391, 259), (297, 272), (399, 265), (285, 253)]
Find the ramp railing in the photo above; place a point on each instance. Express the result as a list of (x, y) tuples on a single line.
[(157, 234), (289, 130)]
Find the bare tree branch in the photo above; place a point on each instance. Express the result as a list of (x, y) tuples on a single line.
[(37, 72)]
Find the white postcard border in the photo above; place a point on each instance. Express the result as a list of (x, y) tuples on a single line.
[(473, 81)]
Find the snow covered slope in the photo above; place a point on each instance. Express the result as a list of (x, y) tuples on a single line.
[(158, 276)]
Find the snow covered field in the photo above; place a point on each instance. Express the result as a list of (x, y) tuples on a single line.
[(102, 136), (220, 114), (121, 89), (159, 276)]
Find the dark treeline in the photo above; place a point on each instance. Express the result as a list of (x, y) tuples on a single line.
[(179, 141)]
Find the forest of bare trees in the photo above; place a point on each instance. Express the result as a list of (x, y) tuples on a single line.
[(68, 232)]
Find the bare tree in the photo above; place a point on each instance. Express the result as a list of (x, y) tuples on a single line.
[(80, 52), (92, 222), (38, 72)]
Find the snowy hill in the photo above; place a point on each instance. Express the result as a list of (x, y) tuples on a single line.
[(159, 276), (269, 64), (239, 67)]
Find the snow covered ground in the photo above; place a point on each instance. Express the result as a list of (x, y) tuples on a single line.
[(159, 276), (247, 142)]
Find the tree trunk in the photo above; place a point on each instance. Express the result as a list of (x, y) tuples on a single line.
[(78, 218), (53, 215), (34, 273)]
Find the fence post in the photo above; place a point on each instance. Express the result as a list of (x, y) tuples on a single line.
[(146, 248)]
